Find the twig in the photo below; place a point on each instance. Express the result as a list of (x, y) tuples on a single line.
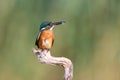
[(44, 56)]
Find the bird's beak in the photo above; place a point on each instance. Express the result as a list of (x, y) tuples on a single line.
[(58, 23)]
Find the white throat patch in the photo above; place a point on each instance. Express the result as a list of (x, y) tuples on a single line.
[(42, 28), (52, 28)]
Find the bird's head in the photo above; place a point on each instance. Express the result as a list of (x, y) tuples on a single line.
[(47, 25)]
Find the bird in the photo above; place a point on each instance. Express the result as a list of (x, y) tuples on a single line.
[(45, 37)]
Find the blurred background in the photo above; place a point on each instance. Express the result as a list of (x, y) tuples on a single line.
[(90, 38)]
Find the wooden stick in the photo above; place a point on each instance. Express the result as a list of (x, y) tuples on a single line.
[(44, 56)]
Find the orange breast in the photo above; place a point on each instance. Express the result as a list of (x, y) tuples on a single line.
[(46, 39)]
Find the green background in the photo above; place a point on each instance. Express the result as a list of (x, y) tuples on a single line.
[(90, 38)]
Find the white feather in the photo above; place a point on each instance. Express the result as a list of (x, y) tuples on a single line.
[(52, 28), (45, 42)]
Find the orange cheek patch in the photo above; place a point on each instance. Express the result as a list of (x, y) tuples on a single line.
[(46, 26)]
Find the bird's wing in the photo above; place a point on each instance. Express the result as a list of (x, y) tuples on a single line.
[(53, 41), (37, 38)]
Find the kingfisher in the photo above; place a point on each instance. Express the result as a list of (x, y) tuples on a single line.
[(45, 37)]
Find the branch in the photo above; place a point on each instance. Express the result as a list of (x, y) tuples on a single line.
[(44, 56)]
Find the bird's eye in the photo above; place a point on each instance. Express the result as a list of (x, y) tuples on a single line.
[(50, 24)]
